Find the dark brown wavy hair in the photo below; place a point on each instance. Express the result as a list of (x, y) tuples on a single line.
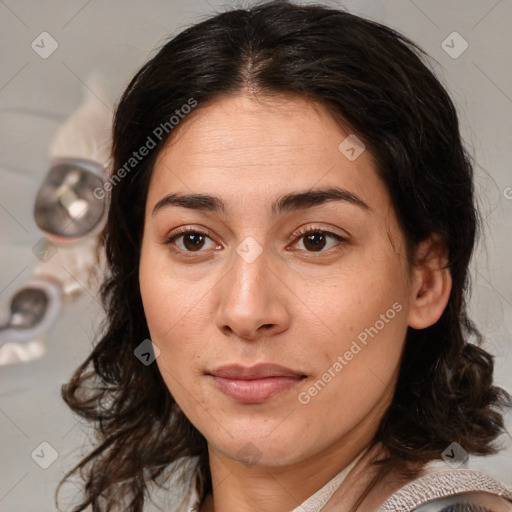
[(377, 83)]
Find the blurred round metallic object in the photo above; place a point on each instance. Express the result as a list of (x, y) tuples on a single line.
[(66, 207), (27, 308), (33, 309)]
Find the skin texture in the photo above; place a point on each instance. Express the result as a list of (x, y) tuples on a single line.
[(292, 305)]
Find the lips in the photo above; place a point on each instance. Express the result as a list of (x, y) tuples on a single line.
[(254, 384), (259, 371)]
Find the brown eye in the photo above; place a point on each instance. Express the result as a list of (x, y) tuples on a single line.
[(191, 240), (315, 240)]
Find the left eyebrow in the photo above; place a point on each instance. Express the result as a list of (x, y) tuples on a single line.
[(315, 197), (291, 202)]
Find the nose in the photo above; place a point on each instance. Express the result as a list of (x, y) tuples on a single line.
[(253, 301)]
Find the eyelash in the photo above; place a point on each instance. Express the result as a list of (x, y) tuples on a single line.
[(302, 233)]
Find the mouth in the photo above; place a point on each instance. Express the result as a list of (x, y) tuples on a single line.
[(256, 384)]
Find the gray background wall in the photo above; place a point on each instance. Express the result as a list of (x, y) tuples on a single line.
[(115, 38)]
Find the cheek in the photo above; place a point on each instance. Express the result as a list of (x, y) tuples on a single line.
[(161, 307), (369, 336), (163, 312), (356, 296), (357, 372), (172, 308), (365, 311), (166, 298)]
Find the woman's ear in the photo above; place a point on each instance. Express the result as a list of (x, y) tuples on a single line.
[(431, 283)]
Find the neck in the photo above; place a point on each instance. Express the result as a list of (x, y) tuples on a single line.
[(244, 488)]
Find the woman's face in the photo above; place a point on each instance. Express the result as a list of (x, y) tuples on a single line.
[(249, 288)]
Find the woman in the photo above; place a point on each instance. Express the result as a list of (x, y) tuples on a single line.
[(291, 224)]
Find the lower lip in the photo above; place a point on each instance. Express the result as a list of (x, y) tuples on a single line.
[(254, 391)]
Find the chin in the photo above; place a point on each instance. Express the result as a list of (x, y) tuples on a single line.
[(257, 447)]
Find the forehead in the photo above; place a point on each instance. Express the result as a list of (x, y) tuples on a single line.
[(244, 147), (285, 127)]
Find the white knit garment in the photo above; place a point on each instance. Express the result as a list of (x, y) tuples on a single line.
[(440, 484)]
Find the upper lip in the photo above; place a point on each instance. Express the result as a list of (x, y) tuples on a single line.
[(260, 371)]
